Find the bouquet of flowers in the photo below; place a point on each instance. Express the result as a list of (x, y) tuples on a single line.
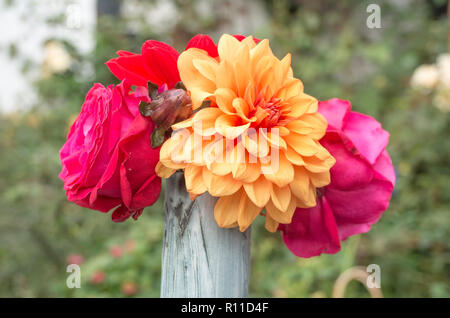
[(239, 125)]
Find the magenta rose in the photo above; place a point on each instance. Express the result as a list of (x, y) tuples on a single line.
[(362, 181), (107, 160)]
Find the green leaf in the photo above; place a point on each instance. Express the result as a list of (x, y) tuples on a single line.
[(180, 85), (205, 104), (158, 137), (152, 90), (145, 108)]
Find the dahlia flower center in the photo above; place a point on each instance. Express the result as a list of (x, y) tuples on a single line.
[(271, 112)]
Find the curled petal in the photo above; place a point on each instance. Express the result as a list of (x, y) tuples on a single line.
[(366, 134), (203, 42), (335, 110), (160, 61), (259, 191), (356, 210), (312, 232)]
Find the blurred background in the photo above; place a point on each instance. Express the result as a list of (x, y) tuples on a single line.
[(51, 52)]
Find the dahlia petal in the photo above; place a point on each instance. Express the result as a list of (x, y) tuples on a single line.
[(228, 47), (320, 179), (316, 164), (271, 225), (264, 77), (303, 145), (204, 121), (291, 87), (255, 144), (249, 95), (203, 42), (294, 157), (125, 53), (283, 217), (318, 124), (220, 185), (241, 73), (246, 172), (189, 149), (227, 125), (160, 62), (274, 139), (194, 180), (301, 104), (240, 37), (249, 41), (248, 211), (221, 162), (281, 197), (198, 96), (259, 51), (281, 173), (220, 168), (302, 189), (300, 127), (164, 172), (227, 209), (281, 72), (242, 109), (192, 78), (207, 68), (129, 67), (259, 191), (171, 152), (183, 124), (225, 76), (224, 100)]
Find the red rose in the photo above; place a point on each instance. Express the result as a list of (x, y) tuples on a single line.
[(107, 160)]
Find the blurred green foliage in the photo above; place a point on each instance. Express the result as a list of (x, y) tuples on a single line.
[(335, 55)]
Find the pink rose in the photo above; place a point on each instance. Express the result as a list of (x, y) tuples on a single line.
[(361, 185), (107, 160)]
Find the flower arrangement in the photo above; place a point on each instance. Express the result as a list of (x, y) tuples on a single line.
[(237, 122)]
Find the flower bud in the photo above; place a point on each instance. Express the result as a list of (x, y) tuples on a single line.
[(168, 108)]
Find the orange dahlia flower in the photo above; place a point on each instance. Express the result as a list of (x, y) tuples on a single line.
[(255, 143)]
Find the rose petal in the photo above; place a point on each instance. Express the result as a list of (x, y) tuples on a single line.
[(349, 171), (366, 135), (312, 232), (384, 167), (355, 210), (335, 110)]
